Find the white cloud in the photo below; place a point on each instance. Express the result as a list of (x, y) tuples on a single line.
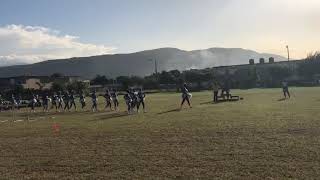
[(30, 44)]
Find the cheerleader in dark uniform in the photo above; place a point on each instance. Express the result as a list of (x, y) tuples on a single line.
[(94, 99), (186, 96), (107, 97), (141, 98), (82, 101), (54, 103), (66, 99), (60, 101), (72, 101), (114, 97), (128, 100), (33, 103)]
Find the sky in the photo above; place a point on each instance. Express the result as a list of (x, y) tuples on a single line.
[(37, 30)]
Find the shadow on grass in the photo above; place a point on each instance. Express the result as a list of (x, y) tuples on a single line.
[(210, 102), (51, 113), (111, 116), (170, 111), (282, 99), (220, 101)]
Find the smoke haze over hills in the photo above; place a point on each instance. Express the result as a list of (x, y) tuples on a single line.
[(139, 63)]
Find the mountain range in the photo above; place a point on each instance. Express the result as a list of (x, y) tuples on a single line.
[(139, 63)]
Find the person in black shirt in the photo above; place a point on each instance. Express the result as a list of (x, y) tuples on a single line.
[(185, 95)]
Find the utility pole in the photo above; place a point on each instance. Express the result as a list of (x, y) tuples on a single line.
[(155, 66), (288, 52)]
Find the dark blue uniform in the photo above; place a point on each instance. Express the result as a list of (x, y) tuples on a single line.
[(82, 101), (128, 99), (114, 97), (185, 95), (72, 101), (94, 102), (141, 97), (107, 97), (66, 99)]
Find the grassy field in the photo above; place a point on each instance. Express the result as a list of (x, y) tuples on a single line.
[(258, 137)]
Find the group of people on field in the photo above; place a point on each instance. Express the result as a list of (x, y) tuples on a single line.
[(134, 99), (62, 101), (225, 92), (66, 101), (15, 102)]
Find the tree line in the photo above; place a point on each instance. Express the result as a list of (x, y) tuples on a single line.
[(244, 77)]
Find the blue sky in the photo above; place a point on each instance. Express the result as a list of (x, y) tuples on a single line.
[(122, 26)]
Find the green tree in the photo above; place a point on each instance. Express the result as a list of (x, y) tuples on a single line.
[(56, 87), (311, 66), (101, 80)]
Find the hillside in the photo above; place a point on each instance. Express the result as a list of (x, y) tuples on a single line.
[(138, 63)]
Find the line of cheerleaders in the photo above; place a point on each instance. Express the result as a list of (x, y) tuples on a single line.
[(134, 98)]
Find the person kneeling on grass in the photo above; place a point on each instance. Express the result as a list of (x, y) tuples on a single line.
[(285, 89), (186, 96)]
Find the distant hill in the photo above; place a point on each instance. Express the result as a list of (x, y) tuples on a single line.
[(138, 63)]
